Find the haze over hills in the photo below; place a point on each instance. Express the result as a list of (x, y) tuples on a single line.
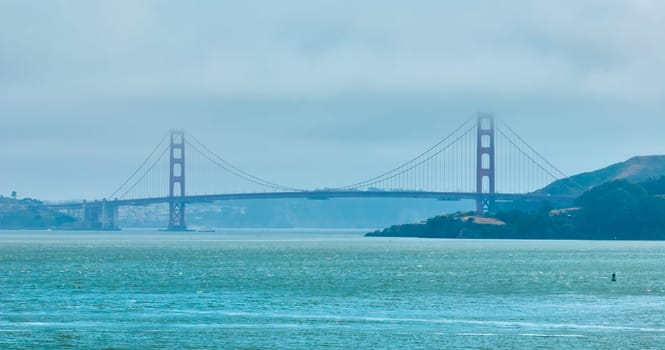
[(363, 213), (347, 213), (289, 213), (635, 169)]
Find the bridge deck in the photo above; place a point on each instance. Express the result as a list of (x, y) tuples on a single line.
[(315, 195)]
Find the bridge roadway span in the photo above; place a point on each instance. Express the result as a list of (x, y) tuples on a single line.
[(314, 195)]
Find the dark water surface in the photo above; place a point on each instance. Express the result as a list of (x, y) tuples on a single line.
[(259, 289)]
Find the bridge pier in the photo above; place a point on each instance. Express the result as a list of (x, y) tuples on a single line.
[(98, 216), (485, 171), (90, 216), (109, 216)]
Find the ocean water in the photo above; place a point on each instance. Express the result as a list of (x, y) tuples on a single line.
[(305, 289)]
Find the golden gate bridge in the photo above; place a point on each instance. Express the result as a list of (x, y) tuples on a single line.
[(480, 160)]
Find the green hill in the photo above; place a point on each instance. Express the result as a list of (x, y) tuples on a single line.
[(29, 214), (634, 170), (617, 209)]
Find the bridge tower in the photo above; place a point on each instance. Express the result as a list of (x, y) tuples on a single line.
[(177, 182), (485, 171)]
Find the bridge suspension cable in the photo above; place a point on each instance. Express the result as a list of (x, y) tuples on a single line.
[(223, 164), (126, 188), (450, 165), (420, 159), (553, 171), (516, 135), (535, 162)]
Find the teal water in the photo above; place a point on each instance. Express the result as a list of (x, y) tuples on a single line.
[(253, 289)]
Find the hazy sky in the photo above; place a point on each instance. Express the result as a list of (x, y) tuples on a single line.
[(318, 93)]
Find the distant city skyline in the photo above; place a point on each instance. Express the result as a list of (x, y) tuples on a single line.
[(322, 93)]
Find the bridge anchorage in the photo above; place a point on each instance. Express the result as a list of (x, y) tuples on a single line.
[(482, 160)]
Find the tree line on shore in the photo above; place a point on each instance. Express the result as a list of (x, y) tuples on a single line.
[(614, 210)]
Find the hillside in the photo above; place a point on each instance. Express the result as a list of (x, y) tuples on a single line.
[(29, 214), (634, 170), (614, 210)]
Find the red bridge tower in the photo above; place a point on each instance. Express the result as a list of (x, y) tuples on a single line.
[(177, 182), (485, 170)]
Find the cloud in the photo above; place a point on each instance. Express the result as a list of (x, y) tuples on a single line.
[(324, 73), (327, 48)]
